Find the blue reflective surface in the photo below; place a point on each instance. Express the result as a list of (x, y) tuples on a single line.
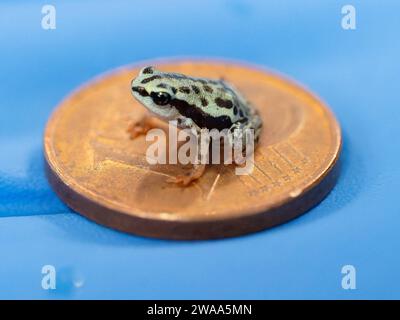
[(356, 72)]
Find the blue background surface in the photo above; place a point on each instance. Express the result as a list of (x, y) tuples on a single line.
[(356, 71)]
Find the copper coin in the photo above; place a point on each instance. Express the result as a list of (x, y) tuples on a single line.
[(98, 171)]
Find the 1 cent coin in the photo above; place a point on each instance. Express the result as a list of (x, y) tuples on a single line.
[(98, 171)]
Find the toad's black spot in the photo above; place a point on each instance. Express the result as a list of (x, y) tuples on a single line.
[(204, 102), (142, 91), (241, 113), (162, 85), (175, 76), (184, 90), (196, 89), (201, 118), (243, 120), (208, 88), (151, 78), (235, 110), (148, 70), (174, 90), (223, 103)]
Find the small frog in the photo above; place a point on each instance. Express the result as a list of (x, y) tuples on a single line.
[(195, 103)]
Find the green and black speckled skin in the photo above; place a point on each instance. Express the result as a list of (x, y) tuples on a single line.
[(211, 104)]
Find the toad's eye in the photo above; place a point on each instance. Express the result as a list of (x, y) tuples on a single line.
[(161, 98)]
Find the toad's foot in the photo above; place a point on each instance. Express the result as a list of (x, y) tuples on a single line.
[(141, 127), (194, 174)]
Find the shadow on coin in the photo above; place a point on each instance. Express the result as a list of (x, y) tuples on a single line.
[(158, 195)]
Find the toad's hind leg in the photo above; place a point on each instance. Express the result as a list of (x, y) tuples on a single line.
[(242, 146), (199, 167), (184, 180)]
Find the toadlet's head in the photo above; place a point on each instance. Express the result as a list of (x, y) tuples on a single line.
[(155, 91)]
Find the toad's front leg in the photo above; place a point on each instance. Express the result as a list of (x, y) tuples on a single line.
[(141, 127), (203, 143)]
